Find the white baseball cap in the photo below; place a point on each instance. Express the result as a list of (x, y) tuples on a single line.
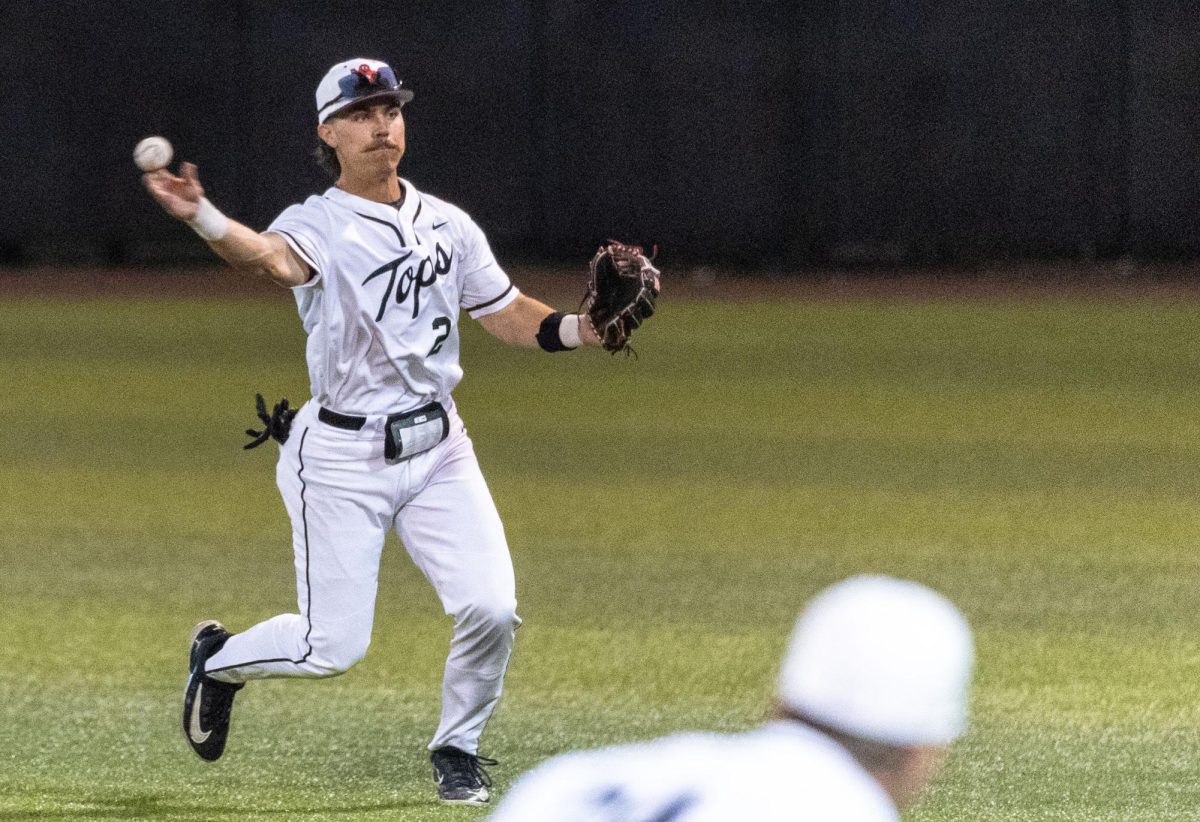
[(356, 80), (882, 659)]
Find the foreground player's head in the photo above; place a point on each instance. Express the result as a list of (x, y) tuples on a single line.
[(358, 105), (883, 665)]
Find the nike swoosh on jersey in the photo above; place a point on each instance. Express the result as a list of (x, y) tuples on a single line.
[(197, 733), (436, 226)]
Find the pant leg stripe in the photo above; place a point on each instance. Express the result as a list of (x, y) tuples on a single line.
[(307, 584), (304, 516)]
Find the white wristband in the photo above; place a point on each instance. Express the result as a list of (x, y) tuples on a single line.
[(209, 222), (568, 331)]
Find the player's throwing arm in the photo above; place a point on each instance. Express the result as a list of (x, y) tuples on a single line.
[(182, 196)]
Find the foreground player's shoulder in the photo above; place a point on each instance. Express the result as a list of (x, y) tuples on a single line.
[(559, 787), (641, 779), (833, 784)]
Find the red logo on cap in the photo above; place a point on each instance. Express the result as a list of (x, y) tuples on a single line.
[(366, 72)]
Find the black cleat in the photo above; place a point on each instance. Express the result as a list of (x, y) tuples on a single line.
[(207, 703), (460, 778)]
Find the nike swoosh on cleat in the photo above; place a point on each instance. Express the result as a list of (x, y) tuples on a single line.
[(474, 799), (195, 732)]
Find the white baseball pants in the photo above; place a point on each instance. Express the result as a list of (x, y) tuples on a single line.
[(343, 497)]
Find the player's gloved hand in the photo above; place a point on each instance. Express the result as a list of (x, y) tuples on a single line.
[(621, 293), (276, 425)]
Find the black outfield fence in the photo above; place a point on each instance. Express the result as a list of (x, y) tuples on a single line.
[(768, 134)]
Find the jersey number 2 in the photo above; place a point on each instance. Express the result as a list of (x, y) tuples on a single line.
[(444, 324)]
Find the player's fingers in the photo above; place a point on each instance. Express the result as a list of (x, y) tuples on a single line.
[(191, 175), (160, 182), (159, 189), (153, 179)]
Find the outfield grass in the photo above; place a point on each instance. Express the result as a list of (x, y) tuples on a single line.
[(668, 515)]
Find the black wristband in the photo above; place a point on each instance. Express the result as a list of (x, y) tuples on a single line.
[(548, 336)]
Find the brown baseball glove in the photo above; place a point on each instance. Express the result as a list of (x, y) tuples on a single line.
[(621, 293)]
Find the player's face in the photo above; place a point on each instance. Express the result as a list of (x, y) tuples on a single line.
[(367, 137)]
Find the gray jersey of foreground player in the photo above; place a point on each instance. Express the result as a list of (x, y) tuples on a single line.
[(871, 694), (380, 272)]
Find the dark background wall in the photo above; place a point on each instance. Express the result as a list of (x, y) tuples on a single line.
[(771, 134)]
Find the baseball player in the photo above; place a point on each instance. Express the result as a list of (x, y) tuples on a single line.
[(380, 272), (872, 691)]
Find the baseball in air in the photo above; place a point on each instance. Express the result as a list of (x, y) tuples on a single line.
[(152, 153)]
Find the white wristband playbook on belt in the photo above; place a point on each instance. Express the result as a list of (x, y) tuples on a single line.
[(209, 222), (406, 435)]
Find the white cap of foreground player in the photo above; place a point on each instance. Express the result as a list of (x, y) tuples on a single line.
[(356, 80), (882, 659)]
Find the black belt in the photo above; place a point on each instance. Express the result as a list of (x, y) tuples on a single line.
[(405, 435), (346, 421)]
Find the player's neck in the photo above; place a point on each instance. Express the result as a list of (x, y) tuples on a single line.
[(379, 189)]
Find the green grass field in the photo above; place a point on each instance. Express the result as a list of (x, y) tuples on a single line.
[(1038, 463)]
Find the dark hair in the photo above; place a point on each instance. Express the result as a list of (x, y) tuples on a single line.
[(327, 159)]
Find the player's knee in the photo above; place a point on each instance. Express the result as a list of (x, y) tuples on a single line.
[(495, 616), (334, 654)]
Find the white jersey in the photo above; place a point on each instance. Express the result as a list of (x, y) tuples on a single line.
[(780, 771), (381, 311)]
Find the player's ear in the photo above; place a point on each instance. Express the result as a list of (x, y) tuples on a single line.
[(327, 135)]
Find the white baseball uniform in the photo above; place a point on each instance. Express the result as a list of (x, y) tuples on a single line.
[(783, 770), (381, 312)]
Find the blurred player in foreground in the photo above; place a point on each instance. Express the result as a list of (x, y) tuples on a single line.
[(872, 692)]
